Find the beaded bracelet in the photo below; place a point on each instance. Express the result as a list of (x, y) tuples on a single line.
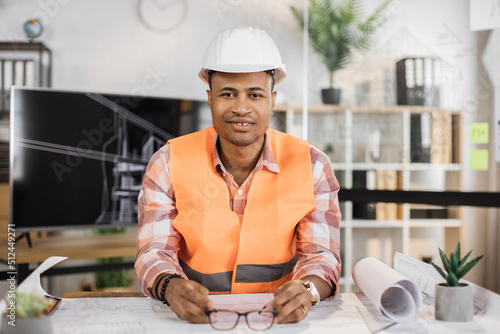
[(164, 287), (157, 283)]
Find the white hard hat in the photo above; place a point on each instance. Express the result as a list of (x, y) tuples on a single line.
[(242, 50)]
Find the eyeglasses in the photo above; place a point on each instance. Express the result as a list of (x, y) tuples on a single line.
[(224, 320)]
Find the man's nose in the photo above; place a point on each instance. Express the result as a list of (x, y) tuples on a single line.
[(241, 105)]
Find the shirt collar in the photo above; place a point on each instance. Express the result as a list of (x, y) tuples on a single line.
[(266, 159)]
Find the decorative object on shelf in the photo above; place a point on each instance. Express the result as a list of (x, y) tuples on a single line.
[(453, 300), (416, 80), (32, 29), (161, 15), (30, 313), (336, 30)]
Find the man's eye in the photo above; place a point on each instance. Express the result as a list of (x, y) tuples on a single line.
[(227, 94), (255, 95)]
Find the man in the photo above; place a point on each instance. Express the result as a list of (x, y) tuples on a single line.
[(239, 207)]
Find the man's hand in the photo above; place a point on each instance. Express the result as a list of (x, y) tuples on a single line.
[(188, 299), (292, 301)]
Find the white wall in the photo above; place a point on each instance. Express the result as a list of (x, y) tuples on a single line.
[(102, 46)]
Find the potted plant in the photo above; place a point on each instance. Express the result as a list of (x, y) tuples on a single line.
[(113, 280), (27, 313), (453, 299), (336, 29)]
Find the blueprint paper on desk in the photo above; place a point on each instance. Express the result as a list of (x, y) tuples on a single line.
[(393, 294)]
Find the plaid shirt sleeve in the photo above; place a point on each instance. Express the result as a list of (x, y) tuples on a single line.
[(157, 240), (318, 233)]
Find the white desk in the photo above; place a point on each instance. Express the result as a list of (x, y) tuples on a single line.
[(344, 314)]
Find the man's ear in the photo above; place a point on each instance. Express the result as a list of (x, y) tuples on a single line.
[(273, 98), (209, 98)]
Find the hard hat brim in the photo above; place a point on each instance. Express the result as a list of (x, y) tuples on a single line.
[(279, 76)]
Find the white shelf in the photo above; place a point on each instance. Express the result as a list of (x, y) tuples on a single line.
[(379, 238), (395, 166), (413, 223)]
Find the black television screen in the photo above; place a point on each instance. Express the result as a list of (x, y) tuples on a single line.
[(77, 159)]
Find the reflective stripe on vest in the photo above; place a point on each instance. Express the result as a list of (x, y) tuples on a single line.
[(216, 249), (246, 273)]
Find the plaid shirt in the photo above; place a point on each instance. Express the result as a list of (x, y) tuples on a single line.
[(318, 233)]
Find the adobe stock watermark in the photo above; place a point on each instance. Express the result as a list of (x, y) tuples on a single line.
[(482, 92), (222, 7)]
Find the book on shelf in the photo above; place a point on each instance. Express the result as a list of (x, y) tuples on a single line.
[(420, 137), (441, 146), (388, 180), (434, 138), (416, 81), (362, 179), (455, 139), (19, 72)]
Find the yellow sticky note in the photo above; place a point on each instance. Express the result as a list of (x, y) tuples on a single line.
[(478, 133), (478, 159)]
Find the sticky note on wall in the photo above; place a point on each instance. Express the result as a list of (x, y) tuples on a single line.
[(479, 133), (478, 159)]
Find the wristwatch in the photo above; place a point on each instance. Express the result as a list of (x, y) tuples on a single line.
[(315, 297)]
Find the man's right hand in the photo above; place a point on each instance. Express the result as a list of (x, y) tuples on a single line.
[(189, 300)]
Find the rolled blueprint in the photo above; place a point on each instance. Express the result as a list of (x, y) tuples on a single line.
[(397, 298)]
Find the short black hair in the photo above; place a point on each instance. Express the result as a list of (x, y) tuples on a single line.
[(270, 72)]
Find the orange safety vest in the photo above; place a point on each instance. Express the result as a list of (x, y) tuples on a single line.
[(218, 250)]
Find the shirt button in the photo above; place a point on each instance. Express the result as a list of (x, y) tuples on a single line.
[(240, 192)]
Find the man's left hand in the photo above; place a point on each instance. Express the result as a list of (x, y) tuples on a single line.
[(292, 301)]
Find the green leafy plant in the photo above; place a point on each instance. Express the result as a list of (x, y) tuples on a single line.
[(112, 278), (29, 304), (455, 267), (336, 29)]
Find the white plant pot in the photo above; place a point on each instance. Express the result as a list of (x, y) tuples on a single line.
[(27, 325), (453, 303)]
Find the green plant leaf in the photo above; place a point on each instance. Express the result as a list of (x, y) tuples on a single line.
[(462, 262), (457, 251), (336, 29), (452, 279), (462, 272), (444, 259), (453, 263), (439, 270)]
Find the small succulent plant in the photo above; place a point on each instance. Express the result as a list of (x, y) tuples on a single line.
[(30, 304), (455, 267)]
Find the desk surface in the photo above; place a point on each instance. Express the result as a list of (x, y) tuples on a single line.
[(347, 313), (101, 294), (74, 247)]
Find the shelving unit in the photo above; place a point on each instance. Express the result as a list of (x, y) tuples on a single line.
[(342, 127), (21, 64)]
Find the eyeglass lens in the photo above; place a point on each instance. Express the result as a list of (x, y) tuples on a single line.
[(260, 320), (256, 320)]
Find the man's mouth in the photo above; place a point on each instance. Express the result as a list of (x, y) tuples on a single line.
[(241, 125)]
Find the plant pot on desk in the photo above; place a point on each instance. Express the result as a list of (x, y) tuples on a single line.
[(330, 95), (453, 303)]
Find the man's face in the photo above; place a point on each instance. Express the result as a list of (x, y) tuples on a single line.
[(241, 105)]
